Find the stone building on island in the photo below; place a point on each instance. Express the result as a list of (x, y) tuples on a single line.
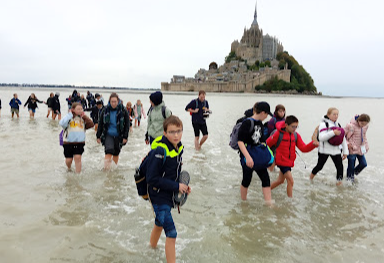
[(243, 71)]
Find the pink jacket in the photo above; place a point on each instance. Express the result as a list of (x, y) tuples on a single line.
[(353, 135)]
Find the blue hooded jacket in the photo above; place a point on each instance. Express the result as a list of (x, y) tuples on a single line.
[(163, 177)]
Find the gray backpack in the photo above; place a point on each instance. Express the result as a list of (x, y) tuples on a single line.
[(233, 138)]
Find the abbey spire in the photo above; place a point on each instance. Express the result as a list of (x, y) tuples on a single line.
[(254, 23)]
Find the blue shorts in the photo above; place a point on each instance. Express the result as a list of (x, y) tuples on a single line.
[(33, 110), (284, 169), (164, 219)]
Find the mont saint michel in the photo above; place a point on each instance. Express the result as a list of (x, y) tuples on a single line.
[(256, 63)]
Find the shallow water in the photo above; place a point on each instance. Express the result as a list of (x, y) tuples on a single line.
[(48, 214)]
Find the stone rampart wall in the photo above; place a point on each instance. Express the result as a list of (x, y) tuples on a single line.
[(231, 86)]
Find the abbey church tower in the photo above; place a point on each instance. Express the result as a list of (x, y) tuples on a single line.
[(253, 46)]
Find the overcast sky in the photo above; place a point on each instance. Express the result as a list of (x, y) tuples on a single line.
[(142, 43)]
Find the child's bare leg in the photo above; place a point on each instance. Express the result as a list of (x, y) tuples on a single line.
[(68, 162), (155, 235), (197, 144), (205, 137), (115, 158), (289, 177), (170, 249), (135, 122), (312, 176), (267, 195), (278, 181), (77, 159), (107, 161), (243, 192), (272, 167), (96, 126)]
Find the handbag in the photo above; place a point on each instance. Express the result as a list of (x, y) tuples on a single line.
[(261, 155)]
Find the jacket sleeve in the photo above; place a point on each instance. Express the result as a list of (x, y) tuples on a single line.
[(272, 140), (64, 121), (88, 122), (190, 105), (314, 135), (101, 124), (326, 134), (345, 147), (135, 110), (19, 101), (155, 169), (126, 123), (348, 131), (304, 147), (27, 101)]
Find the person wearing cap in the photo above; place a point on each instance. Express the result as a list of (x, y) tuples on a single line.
[(113, 129), (246, 136), (56, 106), (156, 115), (197, 108)]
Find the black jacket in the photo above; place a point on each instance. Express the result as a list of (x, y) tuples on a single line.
[(122, 123), (32, 103)]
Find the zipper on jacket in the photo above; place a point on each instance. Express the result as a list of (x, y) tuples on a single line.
[(290, 142)]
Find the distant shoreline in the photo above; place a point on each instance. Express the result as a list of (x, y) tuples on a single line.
[(185, 92)]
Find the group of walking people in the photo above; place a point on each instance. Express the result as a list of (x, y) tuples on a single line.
[(280, 134), (113, 123)]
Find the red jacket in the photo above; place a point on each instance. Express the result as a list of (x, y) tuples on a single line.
[(286, 152)]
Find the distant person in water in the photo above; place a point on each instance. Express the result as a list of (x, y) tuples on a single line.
[(56, 107), (113, 129), (83, 102), (199, 109), (131, 114), (49, 104), (139, 112), (156, 116), (14, 103), (95, 113), (32, 105), (74, 124)]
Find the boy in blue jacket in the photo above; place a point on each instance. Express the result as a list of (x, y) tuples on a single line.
[(162, 179), (14, 103)]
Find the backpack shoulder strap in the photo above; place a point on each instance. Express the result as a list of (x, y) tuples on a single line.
[(252, 124), (163, 111), (281, 135)]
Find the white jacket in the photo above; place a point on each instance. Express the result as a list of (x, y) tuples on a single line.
[(324, 146)]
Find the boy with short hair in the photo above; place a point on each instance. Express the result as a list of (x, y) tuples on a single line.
[(162, 179), (14, 103), (261, 110), (199, 109), (286, 151)]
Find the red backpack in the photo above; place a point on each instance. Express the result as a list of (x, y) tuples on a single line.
[(337, 139)]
